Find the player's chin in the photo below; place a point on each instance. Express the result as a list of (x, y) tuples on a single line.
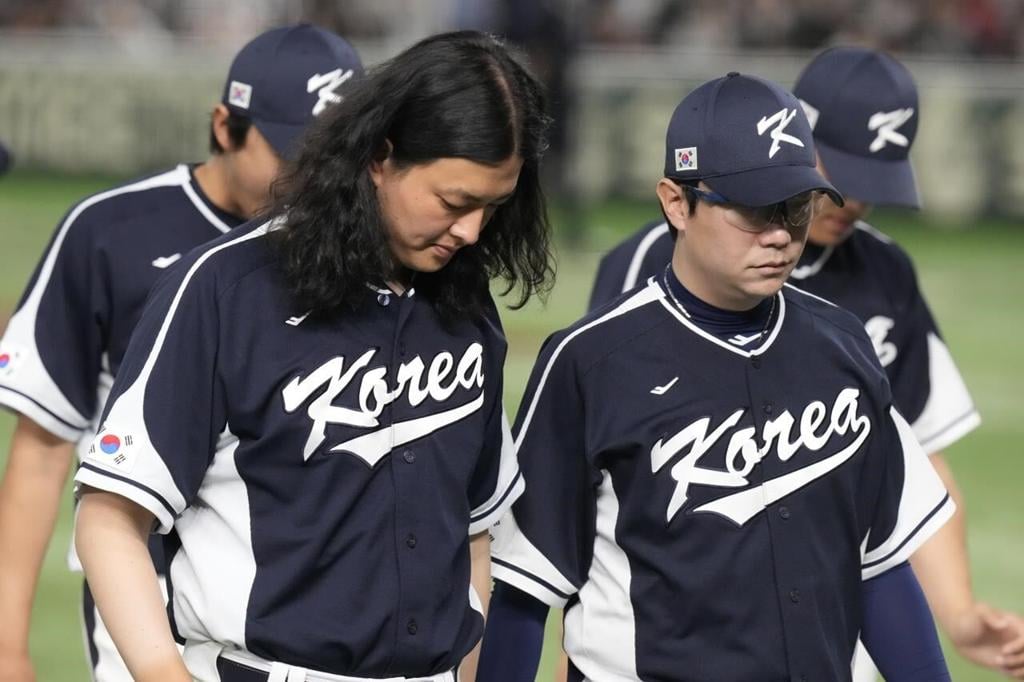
[(831, 230), (767, 282), (430, 259)]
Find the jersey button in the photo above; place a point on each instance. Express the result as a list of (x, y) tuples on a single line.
[(409, 456), (755, 363), (410, 541), (383, 299), (794, 596), (411, 627), (784, 512), (767, 407)]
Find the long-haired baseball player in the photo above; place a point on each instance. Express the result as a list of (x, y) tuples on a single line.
[(67, 339), (718, 486), (863, 107), (310, 410)]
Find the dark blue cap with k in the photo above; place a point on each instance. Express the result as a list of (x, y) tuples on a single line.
[(283, 78), (863, 109), (747, 139)]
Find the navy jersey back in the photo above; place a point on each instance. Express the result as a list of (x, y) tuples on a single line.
[(708, 509), (321, 476), (65, 342), (630, 263), (872, 277)]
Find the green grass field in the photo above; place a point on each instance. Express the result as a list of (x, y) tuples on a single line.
[(973, 279)]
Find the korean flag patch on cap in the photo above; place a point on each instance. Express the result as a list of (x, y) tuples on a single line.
[(686, 159), (240, 94)]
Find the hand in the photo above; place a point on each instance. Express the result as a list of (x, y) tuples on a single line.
[(991, 638), (16, 668)]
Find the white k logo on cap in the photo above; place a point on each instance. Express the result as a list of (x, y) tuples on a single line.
[(325, 86), (887, 123), (780, 120)]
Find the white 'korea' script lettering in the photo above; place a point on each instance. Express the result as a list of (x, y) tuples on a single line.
[(817, 426), (437, 380)]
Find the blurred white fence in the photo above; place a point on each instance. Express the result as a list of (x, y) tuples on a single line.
[(83, 104)]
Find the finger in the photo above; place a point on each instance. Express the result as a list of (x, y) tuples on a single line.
[(1013, 665)]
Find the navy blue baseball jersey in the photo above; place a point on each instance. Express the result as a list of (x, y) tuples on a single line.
[(319, 477), (872, 277), (705, 511), (67, 338)]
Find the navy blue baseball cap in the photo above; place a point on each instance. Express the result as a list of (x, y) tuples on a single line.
[(283, 78), (747, 139), (863, 109)]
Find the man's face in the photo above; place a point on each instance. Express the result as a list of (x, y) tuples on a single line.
[(432, 210), (729, 266), (832, 224), (251, 169)]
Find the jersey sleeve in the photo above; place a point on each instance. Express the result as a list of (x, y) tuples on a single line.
[(497, 481), (51, 352), (927, 385), (166, 409), (544, 546), (912, 503)]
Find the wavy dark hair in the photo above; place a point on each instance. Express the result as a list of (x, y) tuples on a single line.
[(454, 95)]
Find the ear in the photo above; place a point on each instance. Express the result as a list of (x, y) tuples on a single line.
[(673, 203), (379, 162), (219, 125)]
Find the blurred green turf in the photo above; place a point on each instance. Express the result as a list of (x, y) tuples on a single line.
[(973, 279)]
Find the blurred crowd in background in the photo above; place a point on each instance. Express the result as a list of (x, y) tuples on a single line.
[(981, 28), (115, 86)]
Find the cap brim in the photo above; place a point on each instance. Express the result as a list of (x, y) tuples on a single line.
[(770, 185), (873, 181), (283, 137)]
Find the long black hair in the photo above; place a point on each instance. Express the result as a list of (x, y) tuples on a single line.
[(454, 95)]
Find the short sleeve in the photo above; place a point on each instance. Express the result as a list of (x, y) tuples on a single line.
[(166, 410), (927, 385), (51, 352), (912, 503), (545, 545)]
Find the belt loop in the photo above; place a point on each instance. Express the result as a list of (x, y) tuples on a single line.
[(278, 673), (296, 674)]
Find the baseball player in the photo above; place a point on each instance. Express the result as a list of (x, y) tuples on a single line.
[(310, 409), (713, 463), (67, 339), (863, 108)]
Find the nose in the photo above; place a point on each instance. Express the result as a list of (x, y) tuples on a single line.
[(777, 235), (468, 227)]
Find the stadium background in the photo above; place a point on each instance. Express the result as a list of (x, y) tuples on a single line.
[(96, 91)]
